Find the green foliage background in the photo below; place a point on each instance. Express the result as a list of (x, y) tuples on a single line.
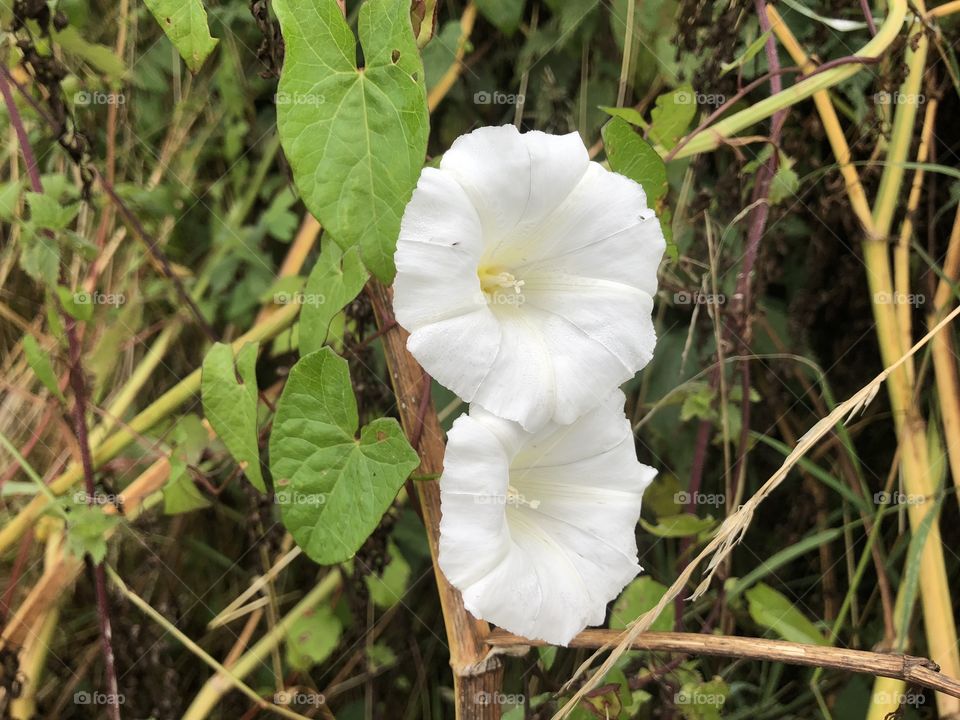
[(178, 170)]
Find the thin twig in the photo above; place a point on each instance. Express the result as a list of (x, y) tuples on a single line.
[(79, 420), (920, 671)]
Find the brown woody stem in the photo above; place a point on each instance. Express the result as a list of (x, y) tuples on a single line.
[(477, 673)]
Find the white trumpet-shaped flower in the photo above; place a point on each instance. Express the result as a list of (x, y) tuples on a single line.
[(538, 529), (526, 275)]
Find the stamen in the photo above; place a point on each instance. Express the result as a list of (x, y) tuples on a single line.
[(493, 281)]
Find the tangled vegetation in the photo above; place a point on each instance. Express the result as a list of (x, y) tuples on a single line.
[(198, 223)]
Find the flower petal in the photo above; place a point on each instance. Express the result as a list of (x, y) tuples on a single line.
[(520, 384), (458, 351), (473, 534), (602, 230), (493, 166), (612, 315), (437, 253), (557, 164), (548, 563)]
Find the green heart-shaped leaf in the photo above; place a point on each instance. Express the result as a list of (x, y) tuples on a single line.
[(332, 487), (231, 405), (355, 137)]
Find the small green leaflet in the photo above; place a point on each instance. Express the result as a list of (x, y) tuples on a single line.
[(40, 259), (631, 115), (231, 405), (313, 636), (676, 526), (356, 139), (87, 530), (702, 700), (181, 494), (505, 14), (671, 115), (9, 193), (610, 699), (785, 181), (748, 54), (39, 362), (46, 212), (440, 54), (774, 611), (100, 57), (630, 155), (380, 655), (185, 24), (335, 280), (637, 598), (78, 305), (387, 589), (332, 487)]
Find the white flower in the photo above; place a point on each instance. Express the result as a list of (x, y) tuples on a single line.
[(538, 529), (526, 275)]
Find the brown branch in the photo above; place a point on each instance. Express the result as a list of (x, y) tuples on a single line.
[(917, 670), (477, 674)]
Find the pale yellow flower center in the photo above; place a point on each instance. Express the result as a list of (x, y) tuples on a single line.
[(495, 281)]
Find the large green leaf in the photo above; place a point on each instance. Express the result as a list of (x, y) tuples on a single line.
[(355, 138), (185, 24), (230, 405), (334, 281), (332, 487), (774, 611)]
